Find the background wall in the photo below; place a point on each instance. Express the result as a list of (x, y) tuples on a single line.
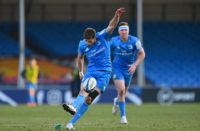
[(93, 10)]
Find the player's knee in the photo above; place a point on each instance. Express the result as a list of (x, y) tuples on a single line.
[(121, 92), (91, 97), (88, 100)]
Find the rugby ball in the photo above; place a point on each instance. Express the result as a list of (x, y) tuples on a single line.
[(89, 84)]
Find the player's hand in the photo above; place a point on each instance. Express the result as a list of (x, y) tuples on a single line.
[(132, 69), (119, 12), (81, 75)]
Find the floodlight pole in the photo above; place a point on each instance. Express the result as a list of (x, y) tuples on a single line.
[(141, 78), (20, 82)]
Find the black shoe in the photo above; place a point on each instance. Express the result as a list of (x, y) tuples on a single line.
[(69, 108)]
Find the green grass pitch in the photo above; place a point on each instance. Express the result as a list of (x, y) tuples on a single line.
[(148, 117)]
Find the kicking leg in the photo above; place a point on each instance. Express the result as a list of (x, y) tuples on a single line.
[(78, 101), (83, 108)]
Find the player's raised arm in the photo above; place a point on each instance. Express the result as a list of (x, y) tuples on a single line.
[(113, 23), (80, 63)]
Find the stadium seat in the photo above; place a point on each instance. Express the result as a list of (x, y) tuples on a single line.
[(10, 47)]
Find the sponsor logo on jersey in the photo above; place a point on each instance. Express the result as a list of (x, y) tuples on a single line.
[(123, 51), (97, 52), (138, 45)]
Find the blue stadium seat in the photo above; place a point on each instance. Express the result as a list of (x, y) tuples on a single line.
[(172, 49)]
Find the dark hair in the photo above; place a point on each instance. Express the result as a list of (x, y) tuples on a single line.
[(32, 58), (89, 33), (123, 23)]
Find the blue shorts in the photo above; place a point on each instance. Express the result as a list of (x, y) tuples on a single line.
[(102, 78), (122, 75), (30, 85)]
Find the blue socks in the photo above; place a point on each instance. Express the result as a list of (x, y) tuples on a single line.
[(31, 98), (78, 101), (122, 108), (83, 108)]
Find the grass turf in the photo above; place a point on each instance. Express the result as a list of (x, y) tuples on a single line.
[(148, 117)]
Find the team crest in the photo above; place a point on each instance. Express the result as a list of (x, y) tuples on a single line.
[(130, 47), (98, 43), (86, 49), (118, 47)]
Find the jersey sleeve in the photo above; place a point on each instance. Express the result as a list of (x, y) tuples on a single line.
[(80, 48), (138, 45), (111, 43), (103, 33)]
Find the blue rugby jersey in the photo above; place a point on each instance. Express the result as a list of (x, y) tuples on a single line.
[(125, 53), (98, 55)]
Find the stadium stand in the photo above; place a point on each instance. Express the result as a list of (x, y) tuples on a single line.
[(173, 57), (172, 48), (57, 38)]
